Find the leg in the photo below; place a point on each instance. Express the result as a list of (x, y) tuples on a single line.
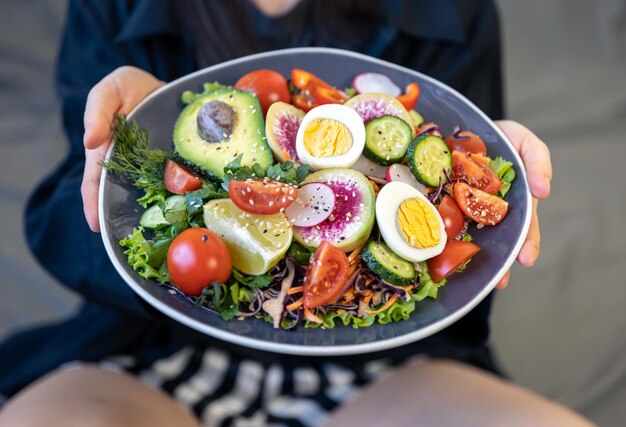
[(443, 393), (93, 397)]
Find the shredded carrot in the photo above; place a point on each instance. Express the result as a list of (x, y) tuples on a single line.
[(294, 290), (308, 315), (368, 297), (388, 304), (349, 293), (355, 253), (375, 185), (408, 288), (295, 305)]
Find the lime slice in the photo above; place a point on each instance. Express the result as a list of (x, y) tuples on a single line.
[(255, 242)]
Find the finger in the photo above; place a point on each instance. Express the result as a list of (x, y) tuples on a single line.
[(118, 92), (530, 250), (91, 184), (503, 283), (535, 155)]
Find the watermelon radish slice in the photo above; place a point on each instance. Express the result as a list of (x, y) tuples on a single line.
[(351, 222), (281, 127), (375, 82), (315, 203), (402, 173)]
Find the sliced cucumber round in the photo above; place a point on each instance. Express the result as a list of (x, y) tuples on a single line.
[(389, 266), (428, 157), (387, 139)]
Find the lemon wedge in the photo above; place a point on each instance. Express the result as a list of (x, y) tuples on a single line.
[(255, 242)]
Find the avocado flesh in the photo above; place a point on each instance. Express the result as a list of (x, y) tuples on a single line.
[(247, 139)]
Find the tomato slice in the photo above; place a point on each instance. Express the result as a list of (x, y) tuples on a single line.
[(410, 97), (330, 96), (477, 172), (262, 196), (178, 179), (196, 258), (466, 142), (454, 255), (452, 216), (478, 205), (326, 277), (429, 128), (268, 85), (306, 81)]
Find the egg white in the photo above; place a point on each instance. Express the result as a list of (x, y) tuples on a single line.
[(388, 202), (344, 115)]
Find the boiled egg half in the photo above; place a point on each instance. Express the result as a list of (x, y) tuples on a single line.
[(330, 136), (409, 223)]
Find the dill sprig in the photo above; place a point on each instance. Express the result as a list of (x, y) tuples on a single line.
[(142, 165)]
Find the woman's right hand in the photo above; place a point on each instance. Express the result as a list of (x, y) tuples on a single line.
[(118, 92)]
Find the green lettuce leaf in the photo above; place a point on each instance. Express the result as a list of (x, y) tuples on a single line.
[(428, 288), (505, 171), (144, 257)]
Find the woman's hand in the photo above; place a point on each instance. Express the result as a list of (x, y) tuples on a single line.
[(536, 158), (118, 92)]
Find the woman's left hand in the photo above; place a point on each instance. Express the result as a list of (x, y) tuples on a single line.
[(536, 157)]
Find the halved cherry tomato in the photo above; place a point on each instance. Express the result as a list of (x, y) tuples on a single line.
[(478, 205), (467, 142), (268, 85), (262, 196), (452, 216), (196, 258), (178, 179), (326, 277), (454, 255), (410, 97), (314, 91), (476, 171), (429, 128)]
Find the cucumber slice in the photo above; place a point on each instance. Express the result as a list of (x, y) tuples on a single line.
[(389, 266), (175, 211), (387, 139), (428, 156)]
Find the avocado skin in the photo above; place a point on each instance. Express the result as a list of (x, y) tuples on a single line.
[(248, 137)]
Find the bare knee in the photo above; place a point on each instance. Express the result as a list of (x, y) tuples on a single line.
[(91, 397)]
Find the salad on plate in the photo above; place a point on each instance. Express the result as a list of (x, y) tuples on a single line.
[(305, 204)]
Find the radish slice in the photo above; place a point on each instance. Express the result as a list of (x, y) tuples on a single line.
[(402, 173), (375, 82), (369, 168), (315, 203)]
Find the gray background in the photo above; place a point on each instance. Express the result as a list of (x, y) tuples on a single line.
[(559, 327)]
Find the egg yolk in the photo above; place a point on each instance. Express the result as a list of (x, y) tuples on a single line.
[(418, 224), (327, 138)]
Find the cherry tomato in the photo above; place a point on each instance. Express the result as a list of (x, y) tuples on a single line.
[(452, 216), (410, 97), (268, 85), (478, 205), (314, 91), (262, 196), (454, 255), (326, 277), (477, 172), (466, 142), (178, 179), (429, 128), (196, 258)]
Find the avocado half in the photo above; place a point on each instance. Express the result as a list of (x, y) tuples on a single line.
[(247, 137)]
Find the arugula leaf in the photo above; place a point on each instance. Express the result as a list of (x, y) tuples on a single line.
[(134, 159), (194, 200), (505, 171), (285, 172), (262, 281), (299, 252)]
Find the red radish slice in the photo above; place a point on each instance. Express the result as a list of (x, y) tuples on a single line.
[(314, 204), (369, 168), (402, 173), (375, 82)]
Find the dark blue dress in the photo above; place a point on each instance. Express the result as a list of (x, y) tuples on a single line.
[(456, 42)]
